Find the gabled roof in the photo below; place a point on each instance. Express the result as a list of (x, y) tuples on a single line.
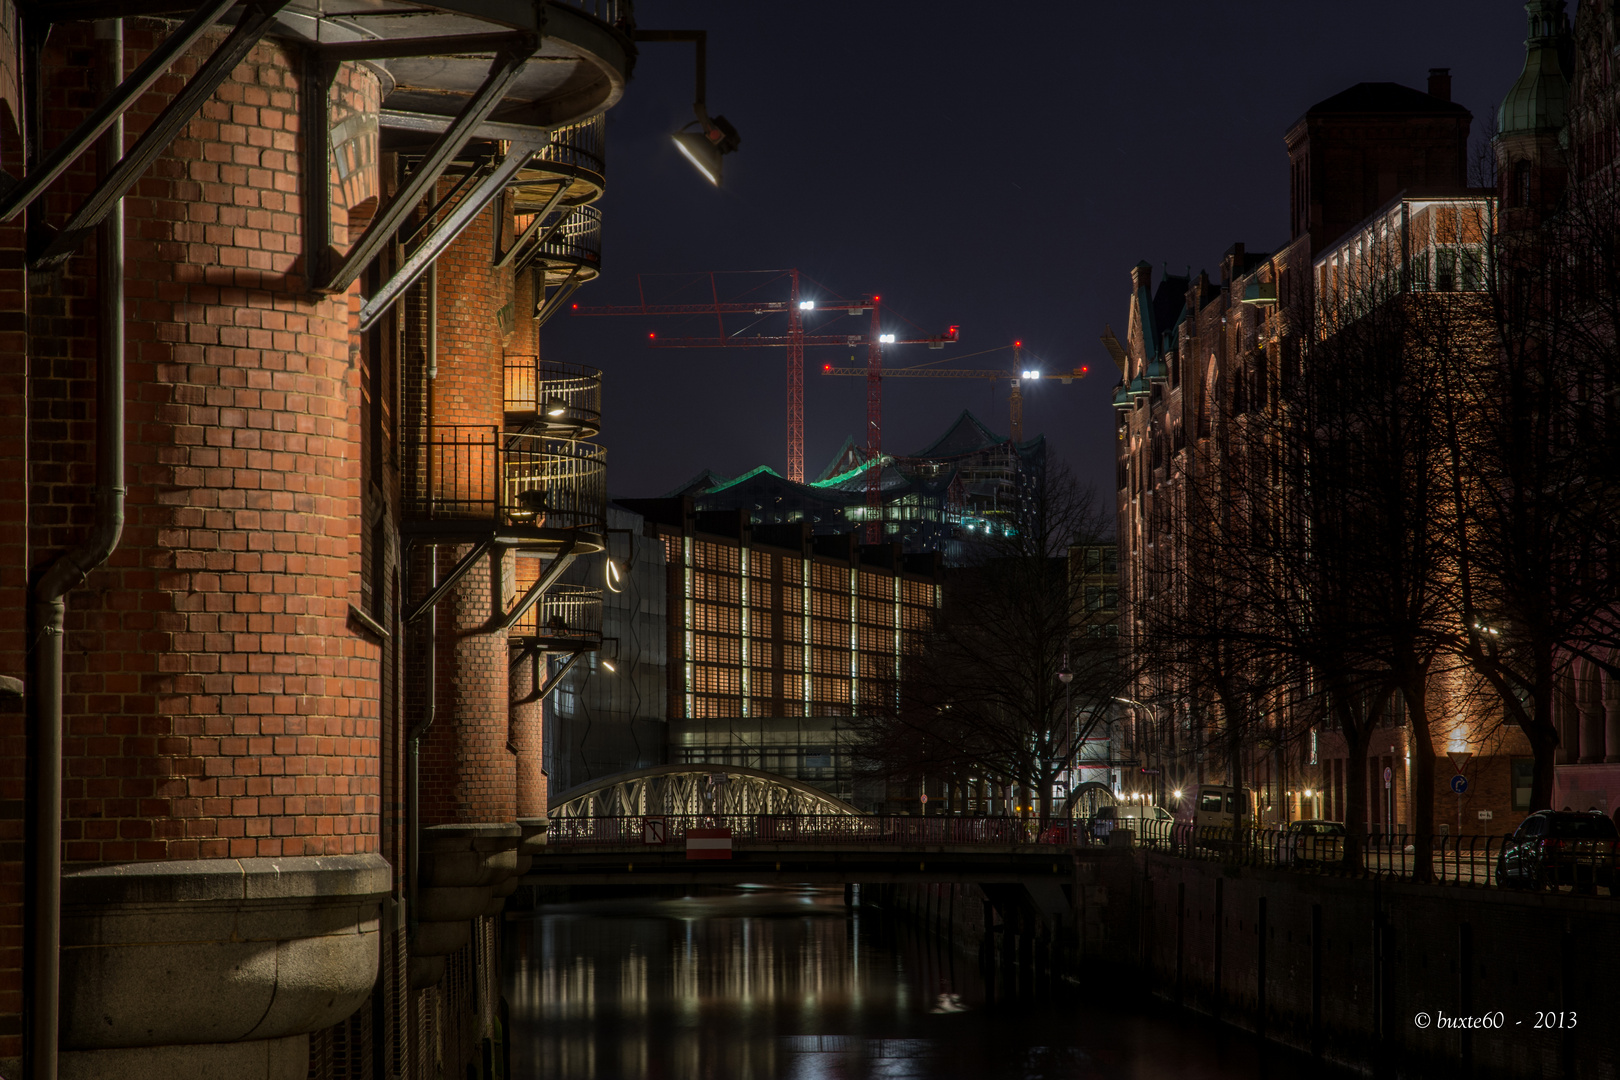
[(1384, 97), (968, 435), (847, 455), (706, 480)]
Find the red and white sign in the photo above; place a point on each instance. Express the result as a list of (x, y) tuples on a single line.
[(708, 843), (654, 830)]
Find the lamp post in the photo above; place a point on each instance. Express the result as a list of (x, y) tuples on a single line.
[(1137, 741), (1066, 677)]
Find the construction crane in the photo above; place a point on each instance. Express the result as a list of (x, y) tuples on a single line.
[(795, 341), (1017, 377)]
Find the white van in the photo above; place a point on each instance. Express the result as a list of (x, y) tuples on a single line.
[(1212, 806)]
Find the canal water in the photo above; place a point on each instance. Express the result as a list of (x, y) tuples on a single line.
[(788, 983)]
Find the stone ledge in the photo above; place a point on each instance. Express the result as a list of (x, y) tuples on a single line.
[(208, 880), (223, 951)]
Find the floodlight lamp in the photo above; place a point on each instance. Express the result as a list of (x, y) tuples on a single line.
[(556, 407), (807, 305), (704, 148), (609, 665), (886, 339), (611, 572)]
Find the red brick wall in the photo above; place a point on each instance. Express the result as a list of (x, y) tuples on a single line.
[(13, 552), (217, 702), (468, 774)]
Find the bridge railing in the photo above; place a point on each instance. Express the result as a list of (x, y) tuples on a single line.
[(800, 829)]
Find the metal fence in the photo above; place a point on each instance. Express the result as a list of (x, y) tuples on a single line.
[(1452, 860), (477, 472), (573, 248), (566, 613), (578, 147), (1472, 861), (616, 13), (810, 829), (566, 395)]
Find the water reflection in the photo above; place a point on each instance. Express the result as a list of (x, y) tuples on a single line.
[(788, 983)]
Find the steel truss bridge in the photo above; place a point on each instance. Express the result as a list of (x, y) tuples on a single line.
[(631, 829)]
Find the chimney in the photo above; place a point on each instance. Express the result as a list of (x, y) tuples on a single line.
[(1440, 83)]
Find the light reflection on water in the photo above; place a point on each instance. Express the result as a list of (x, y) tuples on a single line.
[(787, 983)]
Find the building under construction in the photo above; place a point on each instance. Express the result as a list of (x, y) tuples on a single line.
[(968, 480)]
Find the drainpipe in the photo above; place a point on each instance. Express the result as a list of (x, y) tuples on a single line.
[(49, 606), (413, 744)]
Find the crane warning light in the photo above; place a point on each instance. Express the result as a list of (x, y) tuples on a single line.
[(951, 334), (826, 367), (1085, 369), (574, 306), (1018, 344), (652, 335)]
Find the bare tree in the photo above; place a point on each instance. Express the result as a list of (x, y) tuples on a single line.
[(982, 698)]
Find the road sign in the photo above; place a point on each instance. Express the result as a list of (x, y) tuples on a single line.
[(1389, 775), (654, 830), (1459, 783), (1484, 815), (925, 798), (708, 843)]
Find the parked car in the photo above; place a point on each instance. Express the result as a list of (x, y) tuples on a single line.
[(1148, 823), (1312, 842), (1560, 847)]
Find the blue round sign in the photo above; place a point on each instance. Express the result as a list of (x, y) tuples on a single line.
[(1459, 783)]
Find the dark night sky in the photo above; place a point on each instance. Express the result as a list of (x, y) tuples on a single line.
[(997, 166)]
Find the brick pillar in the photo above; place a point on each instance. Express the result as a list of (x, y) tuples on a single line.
[(468, 773), (528, 720), (220, 713)]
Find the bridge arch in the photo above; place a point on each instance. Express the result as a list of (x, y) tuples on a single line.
[(690, 789)]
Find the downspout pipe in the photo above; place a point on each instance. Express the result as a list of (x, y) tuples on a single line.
[(413, 741), (48, 608)]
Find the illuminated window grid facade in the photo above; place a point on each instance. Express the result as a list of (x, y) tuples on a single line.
[(771, 633)]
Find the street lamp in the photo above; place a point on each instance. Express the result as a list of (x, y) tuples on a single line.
[(1066, 677), (714, 137), (1137, 742)]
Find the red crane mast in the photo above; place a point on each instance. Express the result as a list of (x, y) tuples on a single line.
[(795, 342)]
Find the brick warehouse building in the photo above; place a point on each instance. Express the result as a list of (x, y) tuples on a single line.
[(277, 739), (1380, 215)]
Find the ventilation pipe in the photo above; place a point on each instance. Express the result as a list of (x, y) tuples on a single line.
[(48, 606)]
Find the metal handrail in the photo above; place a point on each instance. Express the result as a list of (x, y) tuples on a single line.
[(574, 246), (477, 472), (569, 613), (581, 146), (572, 391)]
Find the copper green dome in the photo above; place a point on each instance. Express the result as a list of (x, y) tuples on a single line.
[(1539, 99)]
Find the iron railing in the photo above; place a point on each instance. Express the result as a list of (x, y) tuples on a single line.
[(1469, 861), (565, 398), (1452, 860), (566, 613), (580, 147), (619, 14), (471, 472), (817, 829), (574, 248)]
